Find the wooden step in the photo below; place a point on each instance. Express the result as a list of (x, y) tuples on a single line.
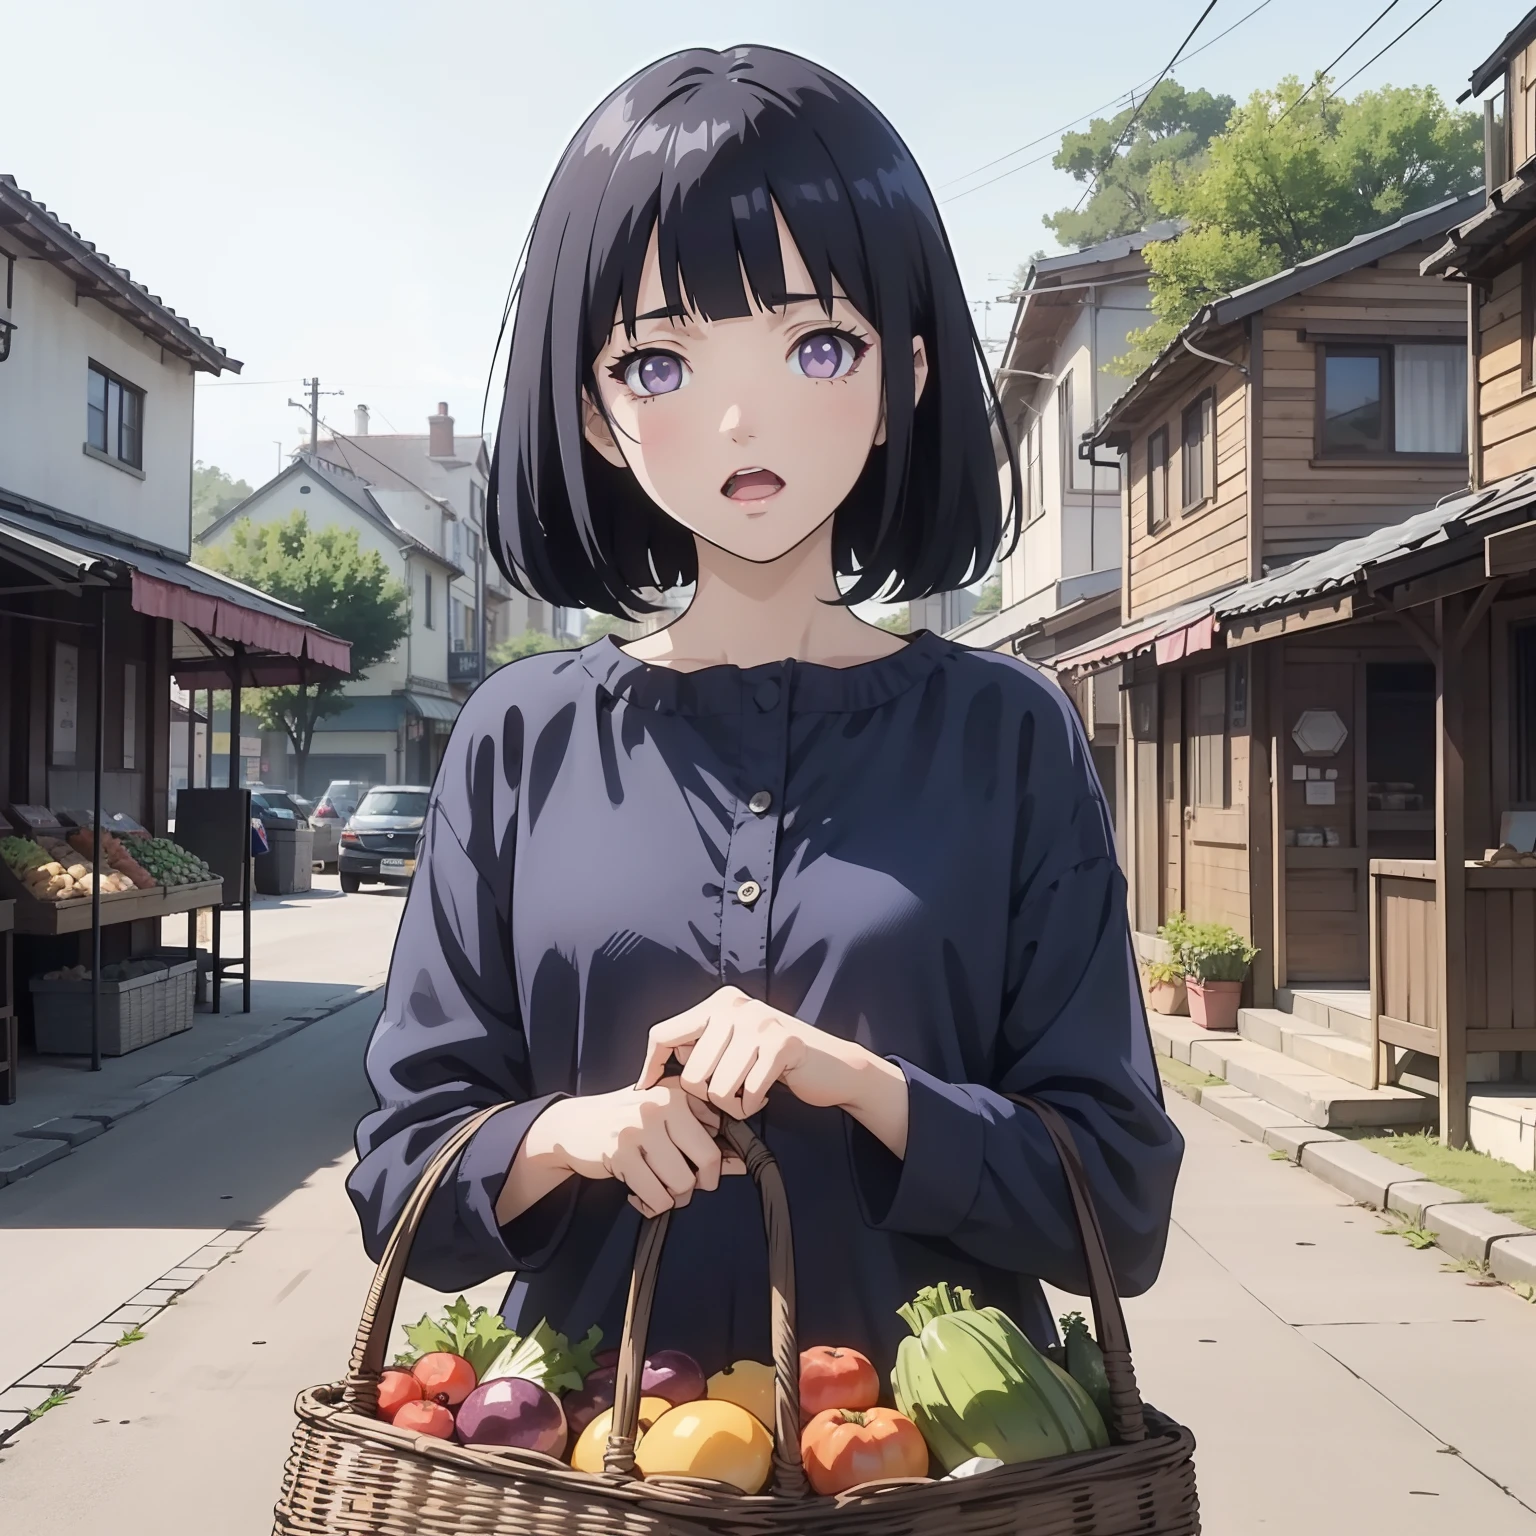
[(1314, 1096)]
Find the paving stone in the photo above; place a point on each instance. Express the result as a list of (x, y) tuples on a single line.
[(1467, 1231), (154, 1296), (248, 1045), (69, 1128), (80, 1356), (131, 1315), (1513, 1258), (1292, 1139), (201, 1066), (1413, 1197), (157, 1087), (110, 1111), (1253, 1117), (181, 1276), (19, 1161), (49, 1377), (205, 1258), (19, 1399), (1363, 1176), (103, 1335), (10, 1423)]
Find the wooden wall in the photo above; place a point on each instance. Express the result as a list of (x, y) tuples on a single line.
[(1206, 548), (1505, 403), (1311, 503)]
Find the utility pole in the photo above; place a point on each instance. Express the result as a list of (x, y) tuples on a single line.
[(313, 409)]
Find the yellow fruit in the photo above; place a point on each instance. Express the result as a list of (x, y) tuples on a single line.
[(588, 1455), (717, 1440), (748, 1384)]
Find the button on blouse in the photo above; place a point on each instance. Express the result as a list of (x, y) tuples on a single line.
[(912, 853)]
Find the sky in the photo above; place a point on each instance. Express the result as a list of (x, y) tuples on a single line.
[(341, 190)]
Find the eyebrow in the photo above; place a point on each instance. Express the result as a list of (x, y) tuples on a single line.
[(676, 312)]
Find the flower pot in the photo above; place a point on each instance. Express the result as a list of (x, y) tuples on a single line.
[(1213, 1004), (1167, 996)]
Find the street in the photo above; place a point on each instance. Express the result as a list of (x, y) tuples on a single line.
[(1335, 1380)]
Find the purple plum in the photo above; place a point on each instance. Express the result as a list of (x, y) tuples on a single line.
[(669, 1374), (510, 1411)]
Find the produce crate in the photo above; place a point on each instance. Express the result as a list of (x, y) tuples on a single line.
[(134, 1013)]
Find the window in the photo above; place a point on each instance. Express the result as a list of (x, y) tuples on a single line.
[(1210, 740), (1197, 440), (1406, 398), (1522, 726), (1034, 475), (427, 609), (1157, 479), (1068, 430), (114, 417)]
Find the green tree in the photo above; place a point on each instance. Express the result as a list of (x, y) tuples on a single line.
[(213, 494), (530, 643), (340, 586), (990, 598), (898, 623), (1289, 179), (1172, 128), (598, 625)]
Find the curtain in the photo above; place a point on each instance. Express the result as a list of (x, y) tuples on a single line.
[(1430, 406)]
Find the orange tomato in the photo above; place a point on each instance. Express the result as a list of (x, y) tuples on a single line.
[(423, 1418), (396, 1388), (843, 1447), (444, 1378), (835, 1378)]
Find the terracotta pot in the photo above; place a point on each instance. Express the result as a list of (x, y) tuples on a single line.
[(1213, 1004), (1167, 996)]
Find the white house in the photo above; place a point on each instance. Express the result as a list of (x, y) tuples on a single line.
[(400, 714), (1061, 585)]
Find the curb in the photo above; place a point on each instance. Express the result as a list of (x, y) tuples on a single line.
[(51, 1139), (58, 1378), (1460, 1227)]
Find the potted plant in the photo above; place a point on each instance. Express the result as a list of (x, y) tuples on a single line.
[(1216, 959), (1165, 978)]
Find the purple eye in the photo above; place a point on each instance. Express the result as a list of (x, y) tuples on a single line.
[(655, 373), (826, 355)]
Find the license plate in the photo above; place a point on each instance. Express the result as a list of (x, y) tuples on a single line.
[(397, 867)]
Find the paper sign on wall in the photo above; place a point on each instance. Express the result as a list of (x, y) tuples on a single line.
[(1320, 791), (66, 700)]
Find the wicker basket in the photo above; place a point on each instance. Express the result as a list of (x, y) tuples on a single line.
[(351, 1472), (134, 1013)]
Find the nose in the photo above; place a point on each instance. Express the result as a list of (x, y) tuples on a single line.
[(732, 425)]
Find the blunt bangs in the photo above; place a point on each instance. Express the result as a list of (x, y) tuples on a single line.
[(698, 150)]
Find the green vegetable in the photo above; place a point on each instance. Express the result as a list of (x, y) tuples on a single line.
[(478, 1336), (546, 1358), (975, 1386), (1085, 1361)]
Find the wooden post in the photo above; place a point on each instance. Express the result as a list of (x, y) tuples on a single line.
[(1262, 788), (1280, 780), (1451, 870)]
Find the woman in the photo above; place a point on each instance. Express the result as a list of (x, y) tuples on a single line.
[(860, 887)]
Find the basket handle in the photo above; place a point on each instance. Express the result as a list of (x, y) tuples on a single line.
[(788, 1474), (1129, 1422), (360, 1390)]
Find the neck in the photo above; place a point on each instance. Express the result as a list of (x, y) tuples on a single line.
[(747, 613)]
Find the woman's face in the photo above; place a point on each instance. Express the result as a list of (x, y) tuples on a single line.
[(749, 432)]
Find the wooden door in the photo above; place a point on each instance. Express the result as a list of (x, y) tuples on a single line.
[(1173, 796)]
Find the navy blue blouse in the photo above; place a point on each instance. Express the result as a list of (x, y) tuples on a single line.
[(938, 882)]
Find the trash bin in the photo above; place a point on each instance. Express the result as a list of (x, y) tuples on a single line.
[(288, 863)]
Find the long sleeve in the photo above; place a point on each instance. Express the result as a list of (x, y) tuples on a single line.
[(979, 1170), (451, 1041)]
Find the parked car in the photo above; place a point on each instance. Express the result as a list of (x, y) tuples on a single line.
[(274, 807), (341, 798), (380, 842)]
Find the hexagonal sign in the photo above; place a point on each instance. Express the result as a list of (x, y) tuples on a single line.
[(1320, 732)]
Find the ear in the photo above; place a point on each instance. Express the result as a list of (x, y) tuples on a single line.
[(919, 380), (598, 433)]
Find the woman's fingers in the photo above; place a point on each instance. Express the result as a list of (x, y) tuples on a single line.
[(767, 1069), (726, 1080), (697, 1145), (636, 1174), (670, 1166), (707, 1050), (666, 1037)]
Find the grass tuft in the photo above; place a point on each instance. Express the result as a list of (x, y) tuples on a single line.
[(1487, 1180)]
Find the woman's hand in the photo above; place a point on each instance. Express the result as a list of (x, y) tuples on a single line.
[(657, 1141), (734, 1049)]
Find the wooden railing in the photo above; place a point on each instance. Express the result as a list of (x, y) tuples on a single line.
[(1408, 960)]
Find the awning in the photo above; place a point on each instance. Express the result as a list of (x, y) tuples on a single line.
[(280, 643), (430, 708), (1173, 634), (1185, 641)]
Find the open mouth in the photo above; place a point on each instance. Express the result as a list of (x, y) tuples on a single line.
[(752, 485)]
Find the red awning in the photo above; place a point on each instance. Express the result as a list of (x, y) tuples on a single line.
[(226, 620), (1186, 640), (1107, 651)]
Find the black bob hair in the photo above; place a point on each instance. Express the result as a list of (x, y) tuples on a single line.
[(698, 148)]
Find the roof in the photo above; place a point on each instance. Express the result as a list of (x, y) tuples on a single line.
[(1106, 250), (384, 712), (346, 485), (1506, 212), (388, 460), (47, 236), (1249, 300), (1494, 65)]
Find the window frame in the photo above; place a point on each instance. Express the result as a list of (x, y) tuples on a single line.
[(426, 615), (126, 393), (1385, 349), (1034, 474), (1527, 320), (1155, 522), (1206, 761), (1203, 408), (1065, 420)]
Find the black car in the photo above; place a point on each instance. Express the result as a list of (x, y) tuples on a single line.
[(379, 842)]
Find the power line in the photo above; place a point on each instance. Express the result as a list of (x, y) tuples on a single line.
[(1328, 68), (1125, 97), (1395, 41), (1125, 132)]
